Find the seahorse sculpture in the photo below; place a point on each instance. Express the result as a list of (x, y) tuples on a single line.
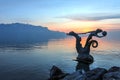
[(84, 52)]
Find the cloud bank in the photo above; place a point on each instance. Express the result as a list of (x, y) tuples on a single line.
[(92, 17)]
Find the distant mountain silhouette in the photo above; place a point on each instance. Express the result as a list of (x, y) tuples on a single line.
[(26, 33)]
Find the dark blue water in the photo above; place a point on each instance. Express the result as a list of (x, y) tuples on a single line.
[(33, 61)]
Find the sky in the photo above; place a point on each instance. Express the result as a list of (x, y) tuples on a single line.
[(63, 15)]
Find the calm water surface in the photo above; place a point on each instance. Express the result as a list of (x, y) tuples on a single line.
[(33, 62)]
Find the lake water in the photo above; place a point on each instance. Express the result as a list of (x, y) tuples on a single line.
[(33, 62)]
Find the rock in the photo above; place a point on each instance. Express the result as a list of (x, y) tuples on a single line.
[(56, 73), (114, 69), (75, 76), (95, 74), (112, 74)]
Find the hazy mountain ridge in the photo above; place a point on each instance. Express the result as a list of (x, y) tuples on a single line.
[(26, 33)]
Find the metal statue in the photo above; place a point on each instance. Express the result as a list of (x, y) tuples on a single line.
[(84, 52)]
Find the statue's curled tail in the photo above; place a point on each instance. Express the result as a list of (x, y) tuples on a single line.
[(94, 43)]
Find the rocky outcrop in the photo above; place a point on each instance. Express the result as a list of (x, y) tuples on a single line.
[(112, 74), (96, 74)]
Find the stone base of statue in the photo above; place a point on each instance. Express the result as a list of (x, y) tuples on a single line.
[(84, 58)]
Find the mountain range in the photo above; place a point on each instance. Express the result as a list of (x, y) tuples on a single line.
[(26, 33)]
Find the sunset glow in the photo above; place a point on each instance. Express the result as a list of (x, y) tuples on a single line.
[(65, 16), (81, 26)]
